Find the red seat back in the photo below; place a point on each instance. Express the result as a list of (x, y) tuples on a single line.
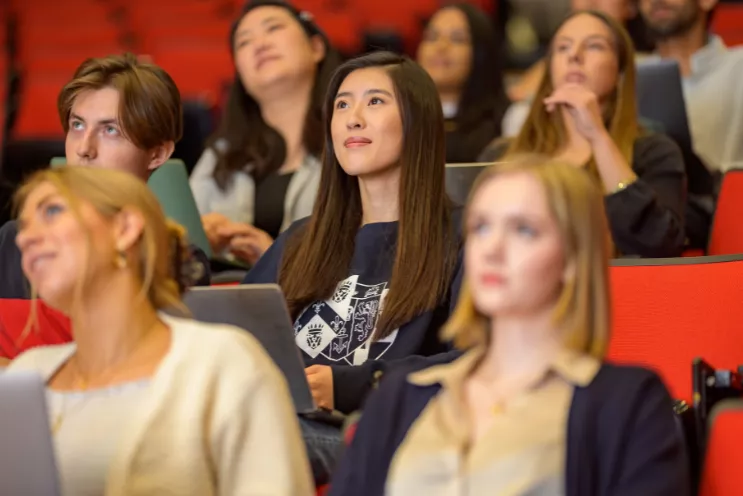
[(51, 327), (666, 312), (720, 476), (726, 237)]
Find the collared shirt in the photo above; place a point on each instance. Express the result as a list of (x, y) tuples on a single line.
[(714, 104), (522, 452)]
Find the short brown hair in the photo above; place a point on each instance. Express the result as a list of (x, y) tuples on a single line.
[(577, 205), (150, 110)]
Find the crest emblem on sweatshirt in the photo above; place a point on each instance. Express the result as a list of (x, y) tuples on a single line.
[(340, 328)]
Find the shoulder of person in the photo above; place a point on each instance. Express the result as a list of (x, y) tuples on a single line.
[(620, 384), (43, 359), (8, 232), (220, 347)]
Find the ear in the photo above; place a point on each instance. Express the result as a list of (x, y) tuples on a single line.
[(318, 49), (128, 228), (707, 5), (160, 154)]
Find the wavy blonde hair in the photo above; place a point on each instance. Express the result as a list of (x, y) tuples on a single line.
[(162, 244), (577, 207)]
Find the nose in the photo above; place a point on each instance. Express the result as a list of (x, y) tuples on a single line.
[(495, 244), (356, 117), (86, 146), (576, 54), (28, 236)]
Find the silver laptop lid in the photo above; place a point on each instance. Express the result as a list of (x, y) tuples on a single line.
[(27, 464)]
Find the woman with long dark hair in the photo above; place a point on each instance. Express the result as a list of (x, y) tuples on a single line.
[(369, 276), (261, 169), (460, 51)]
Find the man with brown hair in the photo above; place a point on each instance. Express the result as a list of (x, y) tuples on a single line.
[(116, 112)]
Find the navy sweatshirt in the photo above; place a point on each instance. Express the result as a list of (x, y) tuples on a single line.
[(336, 332), (622, 437)]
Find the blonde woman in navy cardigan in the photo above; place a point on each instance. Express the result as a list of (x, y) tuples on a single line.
[(530, 407)]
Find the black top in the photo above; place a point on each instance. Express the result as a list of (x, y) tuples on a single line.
[(269, 202), (336, 332), (622, 437), (647, 217), (465, 143)]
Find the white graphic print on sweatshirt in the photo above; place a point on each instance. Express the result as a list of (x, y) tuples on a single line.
[(340, 328)]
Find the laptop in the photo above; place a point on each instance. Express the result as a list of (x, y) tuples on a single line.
[(261, 310), (660, 98), (27, 463)]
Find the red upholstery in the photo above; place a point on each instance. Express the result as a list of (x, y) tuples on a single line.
[(667, 314), (720, 476), (51, 326), (728, 23), (726, 237), (37, 115)]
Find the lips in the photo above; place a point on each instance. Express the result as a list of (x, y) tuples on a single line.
[(575, 77), (356, 141), (264, 59), (492, 280)]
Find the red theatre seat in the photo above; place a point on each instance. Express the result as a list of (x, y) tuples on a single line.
[(720, 476), (666, 312), (51, 326), (726, 237)]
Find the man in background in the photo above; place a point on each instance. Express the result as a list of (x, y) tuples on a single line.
[(711, 75)]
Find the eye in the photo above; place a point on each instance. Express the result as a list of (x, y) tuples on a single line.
[(341, 104), (375, 100), (525, 230), (596, 46), (241, 43), (111, 130), (51, 210), (76, 125), (478, 228), (274, 27)]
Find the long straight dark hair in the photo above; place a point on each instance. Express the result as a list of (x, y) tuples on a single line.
[(250, 140), (319, 256)]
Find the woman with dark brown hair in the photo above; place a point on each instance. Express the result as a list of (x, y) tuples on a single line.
[(261, 169), (585, 114), (369, 276)]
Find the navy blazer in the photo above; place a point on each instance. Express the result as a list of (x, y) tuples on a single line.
[(623, 439)]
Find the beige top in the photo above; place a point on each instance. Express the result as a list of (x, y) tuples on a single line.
[(216, 420), (522, 453)]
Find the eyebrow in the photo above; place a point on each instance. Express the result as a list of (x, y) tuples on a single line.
[(265, 21), (373, 91), (104, 122), (593, 36)]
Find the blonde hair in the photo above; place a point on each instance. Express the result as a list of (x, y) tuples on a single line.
[(162, 245), (544, 132), (577, 206)]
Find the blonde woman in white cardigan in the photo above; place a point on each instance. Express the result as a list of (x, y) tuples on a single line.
[(142, 403)]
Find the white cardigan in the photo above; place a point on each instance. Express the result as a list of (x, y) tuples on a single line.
[(237, 202), (218, 420)]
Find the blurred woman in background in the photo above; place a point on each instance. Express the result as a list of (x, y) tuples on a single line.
[(585, 114), (143, 402), (261, 169), (531, 407), (461, 53)]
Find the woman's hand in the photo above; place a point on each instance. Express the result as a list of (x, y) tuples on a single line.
[(582, 106), (4, 362), (213, 223), (246, 242), (320, 380)]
